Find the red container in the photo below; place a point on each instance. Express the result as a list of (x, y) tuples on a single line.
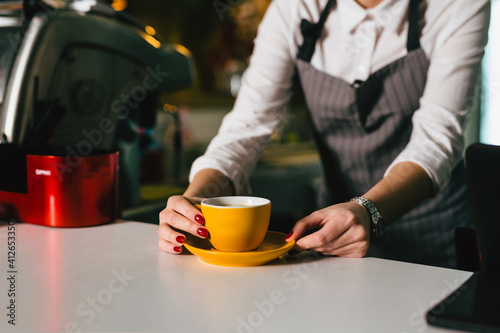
[(62, 190)]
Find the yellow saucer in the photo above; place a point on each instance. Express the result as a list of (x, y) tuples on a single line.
[(272, 247)]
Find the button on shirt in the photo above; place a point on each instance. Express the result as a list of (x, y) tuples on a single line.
[(365, 36), (355, 43)]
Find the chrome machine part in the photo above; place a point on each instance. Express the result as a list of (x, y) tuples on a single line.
[(57, 35), (81, 77), (10, 32)]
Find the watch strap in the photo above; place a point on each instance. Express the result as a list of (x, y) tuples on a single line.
[(377, 225)]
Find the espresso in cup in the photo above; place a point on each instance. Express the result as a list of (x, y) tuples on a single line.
[(236, 223)]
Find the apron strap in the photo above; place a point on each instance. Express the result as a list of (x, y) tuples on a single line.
[(311, 32), (413, 42)]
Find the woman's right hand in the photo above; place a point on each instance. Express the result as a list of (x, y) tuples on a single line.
[(182, 215)]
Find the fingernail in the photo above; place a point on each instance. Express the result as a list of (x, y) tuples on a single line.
[(199, 218), (180, 239), (202, 232), (177, 249), (289, 234)]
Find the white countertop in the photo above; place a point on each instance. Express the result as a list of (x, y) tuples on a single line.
[(114, 278)]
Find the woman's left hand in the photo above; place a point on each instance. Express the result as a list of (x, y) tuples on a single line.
[(344, 230)]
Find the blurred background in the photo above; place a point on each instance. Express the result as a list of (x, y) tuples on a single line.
[(166, 131)]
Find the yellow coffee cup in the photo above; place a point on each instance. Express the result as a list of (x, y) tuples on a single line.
[(236, 223)]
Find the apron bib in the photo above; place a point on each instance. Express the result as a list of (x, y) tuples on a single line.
[(361, 128)]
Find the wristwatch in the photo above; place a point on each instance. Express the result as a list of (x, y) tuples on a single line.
[(377, 224)]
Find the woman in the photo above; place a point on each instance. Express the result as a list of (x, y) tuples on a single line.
[(387, 85)]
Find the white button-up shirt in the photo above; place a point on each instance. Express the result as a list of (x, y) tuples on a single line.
[(355, 43)]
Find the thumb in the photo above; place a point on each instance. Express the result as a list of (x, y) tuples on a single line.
[(307, 223), (314, 241)]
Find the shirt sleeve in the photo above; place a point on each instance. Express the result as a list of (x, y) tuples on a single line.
[(260, 106), (437, 142)]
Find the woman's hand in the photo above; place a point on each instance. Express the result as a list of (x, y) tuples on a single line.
[(344, 230), (180, 214)]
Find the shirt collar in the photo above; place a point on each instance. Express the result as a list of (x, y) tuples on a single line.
[(389, 14)]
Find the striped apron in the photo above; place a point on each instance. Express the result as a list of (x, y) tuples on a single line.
[(361, 128)]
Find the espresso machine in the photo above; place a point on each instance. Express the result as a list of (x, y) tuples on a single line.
[(77, 80)]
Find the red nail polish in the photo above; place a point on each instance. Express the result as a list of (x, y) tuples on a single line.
[(289, 234), (180, 239), (202, 232), (199, 218), (177, 249)]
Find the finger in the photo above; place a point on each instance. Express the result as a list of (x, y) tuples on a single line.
[(174, 216), (354, 234), (184, 207), (357, 234), (171, 236), (318, 240), (169, 247), (170, 240), (178, 221), (332, 226), (303, 225)]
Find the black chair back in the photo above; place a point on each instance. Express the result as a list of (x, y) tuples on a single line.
[(483, 168)]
